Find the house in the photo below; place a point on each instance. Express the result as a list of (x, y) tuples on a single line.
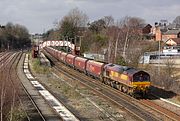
[(165, 35), (147, 29), (173, 42), (147, 32), (158, 33), (174, 33), (172, 45), (173, 26), (163, 32)]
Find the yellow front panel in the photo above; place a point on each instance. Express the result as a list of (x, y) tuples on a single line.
[(141, 83)]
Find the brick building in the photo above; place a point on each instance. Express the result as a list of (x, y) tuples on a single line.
[(164, 35), (173, 42), (171, 34)]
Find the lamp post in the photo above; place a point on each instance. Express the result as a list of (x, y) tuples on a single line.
[(67, 39), (159, 56)]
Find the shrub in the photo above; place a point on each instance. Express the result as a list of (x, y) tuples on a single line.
[(38, 68), (17, 115), (120, 61)]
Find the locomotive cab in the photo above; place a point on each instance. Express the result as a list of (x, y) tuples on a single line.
[(141, 82)]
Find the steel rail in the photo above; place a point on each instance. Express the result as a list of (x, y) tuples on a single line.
[(12, 70)]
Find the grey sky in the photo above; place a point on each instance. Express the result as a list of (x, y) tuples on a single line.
[(39, 15)]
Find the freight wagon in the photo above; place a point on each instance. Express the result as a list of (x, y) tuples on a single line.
[(80, 64), (70, 60), (94, 68)]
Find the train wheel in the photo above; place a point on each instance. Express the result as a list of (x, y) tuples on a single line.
[(102, 80), (130, 92), (127, 90), (111, 84), (105, 81), (121, 88), (118, 86), (144, 94), (115, 85), (124, 89), (108, 82)]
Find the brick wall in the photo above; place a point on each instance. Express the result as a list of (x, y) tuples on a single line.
[(158, 34), (166, 37)]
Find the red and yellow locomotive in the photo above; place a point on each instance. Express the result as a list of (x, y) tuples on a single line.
[(128, 80)]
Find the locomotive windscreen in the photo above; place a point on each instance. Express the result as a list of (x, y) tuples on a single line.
[(141, 77)]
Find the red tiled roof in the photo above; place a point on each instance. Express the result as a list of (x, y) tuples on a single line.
[(177, 40)]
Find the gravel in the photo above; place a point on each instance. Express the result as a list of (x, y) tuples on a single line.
[(81, 101)]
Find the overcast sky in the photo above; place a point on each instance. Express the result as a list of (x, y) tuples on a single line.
[(39, 15)]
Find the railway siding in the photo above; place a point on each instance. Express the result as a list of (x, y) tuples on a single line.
[(65, 114), (47, 112)]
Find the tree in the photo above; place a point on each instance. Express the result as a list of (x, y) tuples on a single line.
[(95, 38), (97, 26), (121, 36), (101, 24), (73, 23), (109, 21), (113, 34), (170, 67), (176, 21), (130, 35), (14, 36)]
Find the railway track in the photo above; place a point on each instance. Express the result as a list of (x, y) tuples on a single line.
[(134, 106), (165, 113), (27, 104), (3, 58)]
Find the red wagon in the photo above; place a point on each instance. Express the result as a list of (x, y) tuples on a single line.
[(70, 60), (80, 63), (63, 57), (94, 68)]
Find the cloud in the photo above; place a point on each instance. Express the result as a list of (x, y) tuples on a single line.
[(38, 15)]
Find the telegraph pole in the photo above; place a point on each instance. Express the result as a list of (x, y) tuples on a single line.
[(159, 57)]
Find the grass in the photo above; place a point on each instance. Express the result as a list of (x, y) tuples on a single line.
[(17, 115), (70, 92), (65, 89), (178, 98), (38, 68)]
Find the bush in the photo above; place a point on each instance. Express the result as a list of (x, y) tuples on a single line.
[(17, 115), (38, 68), (120, 61)]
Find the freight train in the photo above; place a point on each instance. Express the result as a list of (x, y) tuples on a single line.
[(126, 79)]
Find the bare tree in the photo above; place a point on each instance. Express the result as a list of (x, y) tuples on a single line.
[(176, 21), (74, 22), (170, 66), (109, 21), (78, 18), (113, 39), (130, 34)]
